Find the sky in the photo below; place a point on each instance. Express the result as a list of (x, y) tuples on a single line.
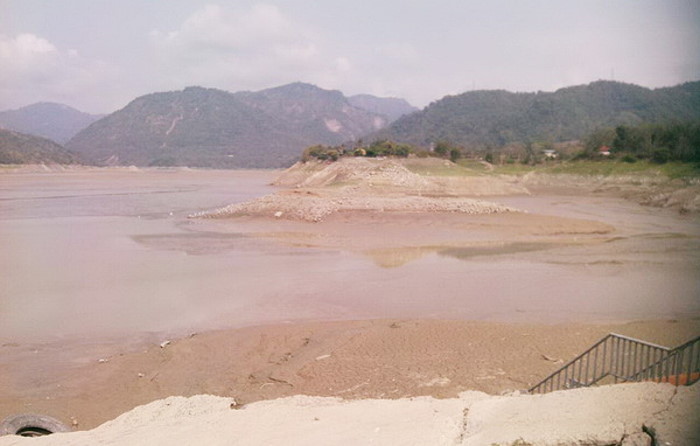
[(98, 55)]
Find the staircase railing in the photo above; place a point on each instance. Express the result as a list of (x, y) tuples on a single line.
[(626, 359)]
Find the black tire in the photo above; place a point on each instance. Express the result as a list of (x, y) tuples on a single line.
[(31, 425)]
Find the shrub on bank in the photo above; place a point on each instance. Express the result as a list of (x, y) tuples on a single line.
[(380, 148)]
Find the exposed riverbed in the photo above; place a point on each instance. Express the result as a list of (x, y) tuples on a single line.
[(102, 253), (105, 282)]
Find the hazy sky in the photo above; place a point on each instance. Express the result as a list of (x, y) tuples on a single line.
[(97, 55)]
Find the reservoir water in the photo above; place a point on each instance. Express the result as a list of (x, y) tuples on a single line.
[(111, 253)]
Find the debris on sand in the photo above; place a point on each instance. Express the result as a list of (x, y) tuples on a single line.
[(320, 189)]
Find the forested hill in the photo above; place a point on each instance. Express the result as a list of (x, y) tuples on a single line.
[(19, 148), (495, 118), (204, 127)]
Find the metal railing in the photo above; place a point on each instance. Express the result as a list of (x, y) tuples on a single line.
[(622, 359)]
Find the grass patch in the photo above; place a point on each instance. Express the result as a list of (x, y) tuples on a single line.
[(642, 167), (443, 168), (516, 169), (470, 167), (605, 168), (474, 165), (680, 170), (672, 170)]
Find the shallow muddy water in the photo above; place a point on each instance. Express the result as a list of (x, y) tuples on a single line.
[(112, 254)]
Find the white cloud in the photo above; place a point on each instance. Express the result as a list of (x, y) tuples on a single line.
[(24, 46), (420, 54), (343, 64), (34, 70), (26, 55), (217, 28), (226, 48)]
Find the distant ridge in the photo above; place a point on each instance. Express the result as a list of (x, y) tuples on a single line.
[(479, 119), (57, 122), (392, 108), (205, 127), (19, 148)]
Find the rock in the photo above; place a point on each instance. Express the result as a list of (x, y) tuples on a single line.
[(637, 439)]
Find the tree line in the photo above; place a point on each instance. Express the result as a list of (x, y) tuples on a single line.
[(657, 142), (382, 148), (676, 141)]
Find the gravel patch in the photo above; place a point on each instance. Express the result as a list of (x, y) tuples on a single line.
[(310, 208)]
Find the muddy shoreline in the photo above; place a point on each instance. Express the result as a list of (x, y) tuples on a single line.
[(348, 359), (370, 302)]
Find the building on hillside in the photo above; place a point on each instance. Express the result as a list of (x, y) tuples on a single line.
[(550, 154), (604, 151)]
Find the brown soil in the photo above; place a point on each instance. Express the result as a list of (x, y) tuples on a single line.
[(682, 195), (351, 359)]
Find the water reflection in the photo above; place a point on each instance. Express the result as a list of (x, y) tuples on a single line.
[(469, 252), (86, 266), (195, 243)]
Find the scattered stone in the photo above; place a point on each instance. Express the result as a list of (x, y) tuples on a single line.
[(637, 439), (551, 359), (322, 189)]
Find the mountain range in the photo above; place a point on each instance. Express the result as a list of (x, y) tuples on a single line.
[(205, 127), (479, 119), (57, 122)]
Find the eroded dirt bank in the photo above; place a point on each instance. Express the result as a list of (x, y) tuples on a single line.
[(623, 415), (433, 185), (90, 384)]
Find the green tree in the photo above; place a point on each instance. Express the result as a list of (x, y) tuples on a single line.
[(442, 148), (631, 139), (596, 140), (530, 154), (660, 155)]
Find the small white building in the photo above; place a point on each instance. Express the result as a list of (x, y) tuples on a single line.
[(550, 154)]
